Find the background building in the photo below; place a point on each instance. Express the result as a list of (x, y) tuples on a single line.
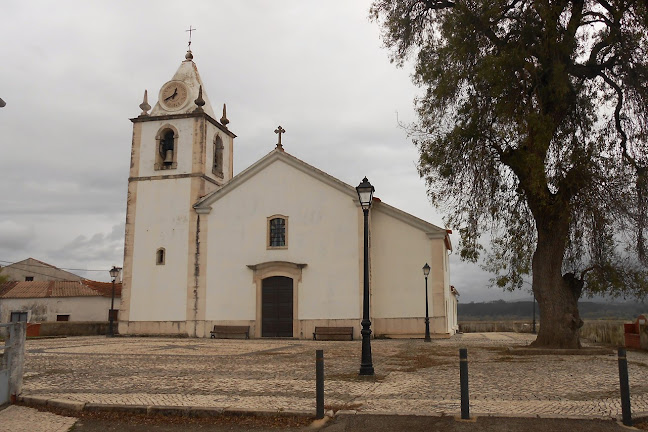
[(45, 301), (32, 269)]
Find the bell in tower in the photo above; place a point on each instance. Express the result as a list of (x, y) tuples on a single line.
[(167, 148)]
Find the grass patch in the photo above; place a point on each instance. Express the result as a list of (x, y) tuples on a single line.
[(512, 359), (636, 363), (603, 331), (411, 362), (354, 377), (504, 351)]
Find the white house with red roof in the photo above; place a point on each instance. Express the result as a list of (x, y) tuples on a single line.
[(45, 301)]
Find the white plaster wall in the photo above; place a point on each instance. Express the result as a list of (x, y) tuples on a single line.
[(46, 309), (439, 284), (322, 233), (398, 254), (159, 292), (184, 147)]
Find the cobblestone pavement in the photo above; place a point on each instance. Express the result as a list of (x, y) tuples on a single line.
[(412, 377), (16, 418)]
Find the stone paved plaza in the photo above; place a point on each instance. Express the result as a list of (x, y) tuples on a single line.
[(412, 377)]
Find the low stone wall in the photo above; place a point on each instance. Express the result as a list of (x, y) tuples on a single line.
[(497, 326), (74, 328)]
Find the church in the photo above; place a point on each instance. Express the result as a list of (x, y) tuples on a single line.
[(278, 248)]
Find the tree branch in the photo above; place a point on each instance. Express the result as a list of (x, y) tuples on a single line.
[(617, 120), (439, 4), (589, 269)]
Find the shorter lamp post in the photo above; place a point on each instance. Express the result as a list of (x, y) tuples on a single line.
[(365, 195), (426, 272), (114, 272)]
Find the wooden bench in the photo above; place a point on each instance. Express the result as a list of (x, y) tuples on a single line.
[(230, 330), (333, 333)]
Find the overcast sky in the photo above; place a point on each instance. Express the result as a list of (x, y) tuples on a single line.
[(74, 72)]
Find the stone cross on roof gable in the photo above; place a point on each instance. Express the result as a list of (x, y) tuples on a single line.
[(279, 131)]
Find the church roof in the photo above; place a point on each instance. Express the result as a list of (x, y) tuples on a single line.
[(188, 73), (204, 204)]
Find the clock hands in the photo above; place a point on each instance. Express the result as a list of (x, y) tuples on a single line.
[(175, 93)]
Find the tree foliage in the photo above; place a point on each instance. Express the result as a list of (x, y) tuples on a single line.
[(533, 129), (3, 278)]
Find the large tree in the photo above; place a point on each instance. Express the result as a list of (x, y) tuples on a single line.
[(533, 133)]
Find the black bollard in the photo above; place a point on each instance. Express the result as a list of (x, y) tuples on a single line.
[(319, 384), (463, 376), (625, 388)]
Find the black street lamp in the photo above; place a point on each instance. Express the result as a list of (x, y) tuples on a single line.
[(426, 272), (114, 272), (365, 195)]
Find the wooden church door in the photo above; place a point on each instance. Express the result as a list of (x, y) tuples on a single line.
[(277, 307)]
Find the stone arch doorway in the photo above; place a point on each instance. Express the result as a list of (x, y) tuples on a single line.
[(268, 269), (277, 307)]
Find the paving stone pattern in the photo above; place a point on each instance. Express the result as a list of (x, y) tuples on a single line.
[(412, 377), (16, 418)]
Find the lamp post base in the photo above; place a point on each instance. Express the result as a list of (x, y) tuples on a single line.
[(366, 364), (427, 330), (366, 370)]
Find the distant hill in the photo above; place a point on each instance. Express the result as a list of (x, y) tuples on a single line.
[(501, 310)]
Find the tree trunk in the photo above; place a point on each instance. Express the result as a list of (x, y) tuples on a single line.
[(557, 295)]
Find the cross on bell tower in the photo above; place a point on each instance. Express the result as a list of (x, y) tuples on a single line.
[(189, 55), (190, 30)]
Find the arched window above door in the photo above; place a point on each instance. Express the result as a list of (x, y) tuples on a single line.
[(277, 237)]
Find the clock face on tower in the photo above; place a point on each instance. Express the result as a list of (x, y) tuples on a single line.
[(173, 95)]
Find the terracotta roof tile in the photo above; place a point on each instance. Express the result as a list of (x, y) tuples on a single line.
[(105, 288), (70, 289), (32, 289), (43, 289)]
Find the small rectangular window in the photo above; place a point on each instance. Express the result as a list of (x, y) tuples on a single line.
[(160, 256), (277, 229), (62, 317), (18, 316), (29, 278)]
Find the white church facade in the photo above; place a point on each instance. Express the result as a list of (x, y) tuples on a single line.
[(278, 247)]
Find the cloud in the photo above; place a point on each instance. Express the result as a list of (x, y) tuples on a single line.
[(14, 237), (93, 252), (316, 68)]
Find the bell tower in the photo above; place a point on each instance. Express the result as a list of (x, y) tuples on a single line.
[(179, 153)]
